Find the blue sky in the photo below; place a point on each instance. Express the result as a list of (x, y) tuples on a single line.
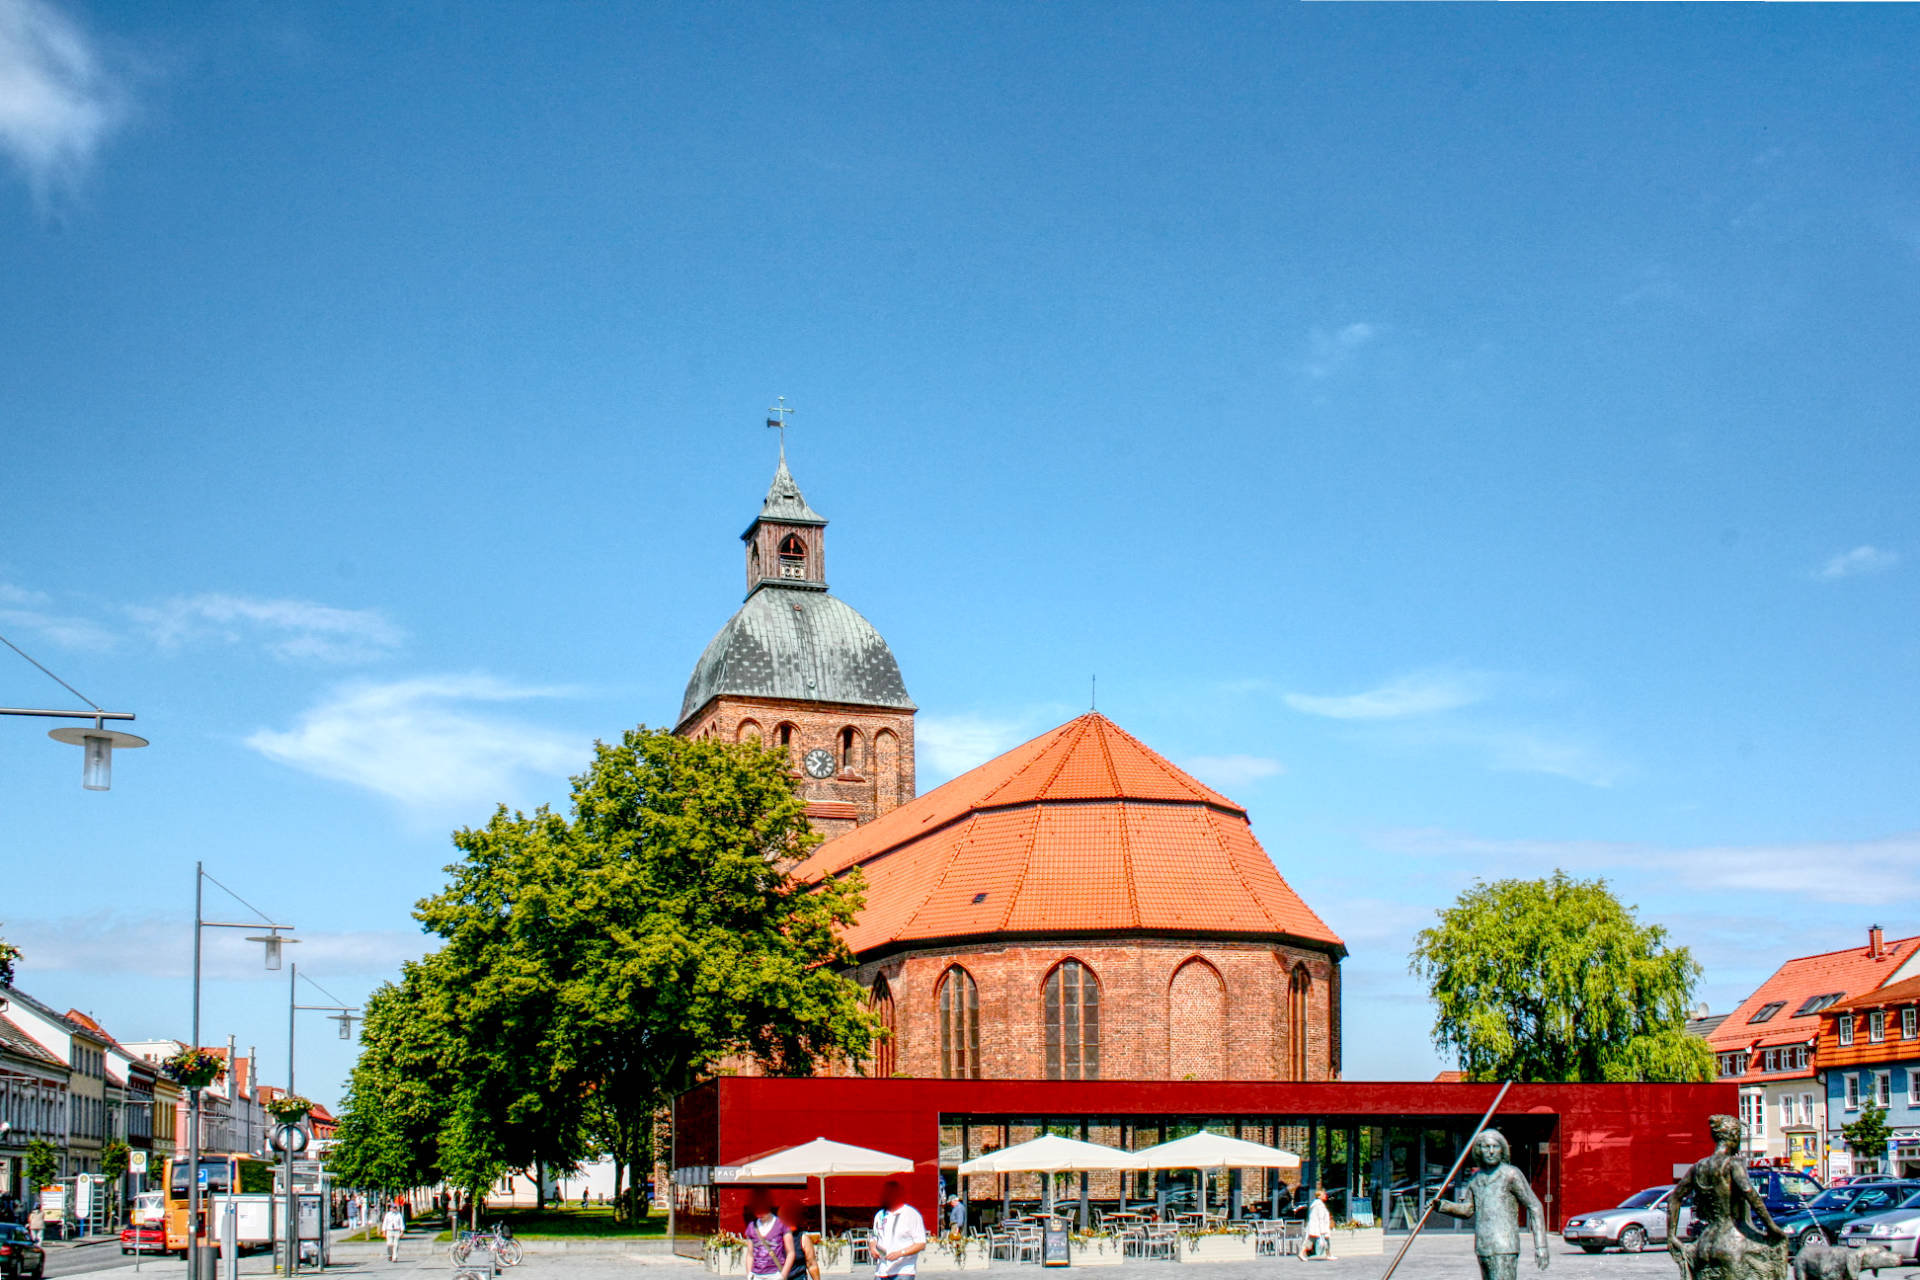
[(1479, 439)]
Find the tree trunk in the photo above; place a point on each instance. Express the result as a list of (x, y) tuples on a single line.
[(539, 1184)]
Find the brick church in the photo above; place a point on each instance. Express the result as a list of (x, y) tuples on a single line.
[(1078, 908)]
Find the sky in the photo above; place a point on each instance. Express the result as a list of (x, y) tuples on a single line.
[(1480, 440)]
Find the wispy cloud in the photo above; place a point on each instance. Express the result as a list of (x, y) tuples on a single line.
[(1419, 694), (35, 611), (1882, 871), (1230, 771), (291, 629), (422, 743), (160, 946), (57, 101), (1331, 350), (948, 746), (1861, 560)]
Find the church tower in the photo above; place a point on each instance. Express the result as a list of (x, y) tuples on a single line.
[(799, 667)]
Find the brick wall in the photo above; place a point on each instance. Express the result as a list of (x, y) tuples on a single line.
[(1163, 1016), (876, 780)]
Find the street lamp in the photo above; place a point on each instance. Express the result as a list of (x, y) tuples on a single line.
[(96, 743), (344, 1015), (273, 943)]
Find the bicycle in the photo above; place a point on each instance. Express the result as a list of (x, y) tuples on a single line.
[(497, 1240)]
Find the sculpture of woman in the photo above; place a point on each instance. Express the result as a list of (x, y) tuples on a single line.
[(1738, 1238)]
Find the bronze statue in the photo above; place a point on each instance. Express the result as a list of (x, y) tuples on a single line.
[(1493, 1196), (1738, 1239)]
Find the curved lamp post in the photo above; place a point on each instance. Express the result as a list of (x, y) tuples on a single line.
[(344, 1015)]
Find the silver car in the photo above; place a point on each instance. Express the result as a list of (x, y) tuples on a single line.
[(1896, 1230), (1640, 1220)]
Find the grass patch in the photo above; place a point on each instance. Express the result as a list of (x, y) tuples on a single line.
[(568, 1224)]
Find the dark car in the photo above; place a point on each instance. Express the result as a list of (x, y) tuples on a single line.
[(143, 1237), (19, 1255), (1784, 1190), (1828, 1213)]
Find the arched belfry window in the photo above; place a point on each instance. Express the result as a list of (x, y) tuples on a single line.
[(793, 556), (1297, 988), (959, 1004), (881, 1002), (850, 748), (1072, 1016)]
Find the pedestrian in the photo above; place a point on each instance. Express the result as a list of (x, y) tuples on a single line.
[(769, 1250), (393, 1225), (956, 1217), (806, 1256), (36, 1223), (899, 1234), (1318, 1240)]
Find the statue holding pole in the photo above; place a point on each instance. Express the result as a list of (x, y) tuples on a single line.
[(1493, 1196)]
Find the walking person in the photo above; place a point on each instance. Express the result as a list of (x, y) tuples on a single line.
[(769, 1244), (1318, 1240), (899, 1234), (956, 1217), (393, 1225), (806, 1253)]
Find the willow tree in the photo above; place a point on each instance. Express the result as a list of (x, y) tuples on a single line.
[(1554, 980)]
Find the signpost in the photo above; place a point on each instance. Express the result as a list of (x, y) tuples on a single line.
[(1055, 1249)]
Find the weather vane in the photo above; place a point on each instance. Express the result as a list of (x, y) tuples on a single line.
[(777, 419)]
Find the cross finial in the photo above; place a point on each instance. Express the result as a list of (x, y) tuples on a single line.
[(777, 419)]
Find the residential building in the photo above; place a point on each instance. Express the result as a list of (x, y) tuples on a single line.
[(85, 1053), (33, 1103), (1870, 1055), (132, 1102), (1767, 1045)]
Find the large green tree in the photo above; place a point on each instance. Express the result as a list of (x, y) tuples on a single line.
[(592, 967), (1556, 980)]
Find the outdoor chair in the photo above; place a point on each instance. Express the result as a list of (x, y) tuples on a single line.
[(1027, 1241), (860, 1241), (1163, 1241)]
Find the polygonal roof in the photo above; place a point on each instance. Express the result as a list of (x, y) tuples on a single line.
[(792, 643), (1083, 829)]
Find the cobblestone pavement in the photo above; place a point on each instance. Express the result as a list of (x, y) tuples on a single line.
[(1432, 1258)]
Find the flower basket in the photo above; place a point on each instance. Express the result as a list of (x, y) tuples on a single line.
[(194, 1068), (289, 1108)]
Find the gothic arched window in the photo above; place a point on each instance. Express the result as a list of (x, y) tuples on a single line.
[(850, 748), (881, 1002), (793, 556), (1297, 988), (959, 1003), (1072, 1009)]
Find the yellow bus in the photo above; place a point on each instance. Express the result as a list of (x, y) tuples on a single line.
[(246, 1175)]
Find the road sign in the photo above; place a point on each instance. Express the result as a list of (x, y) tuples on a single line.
[(203, 1178), (136, 1162)]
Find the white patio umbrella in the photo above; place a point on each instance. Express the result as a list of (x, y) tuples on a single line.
[(1052, 1154), (1207, 1150), (820, 1159)]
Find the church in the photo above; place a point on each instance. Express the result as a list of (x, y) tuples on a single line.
[(1076, 909)]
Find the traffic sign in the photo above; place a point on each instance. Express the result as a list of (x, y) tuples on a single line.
[(136, 1162)]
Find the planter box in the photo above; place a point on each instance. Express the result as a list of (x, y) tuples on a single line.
[(1217, 1249), (939, 1262), (1105, 1254), (1359, 1242)]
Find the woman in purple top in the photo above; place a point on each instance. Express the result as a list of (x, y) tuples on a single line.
[(769, 1249)]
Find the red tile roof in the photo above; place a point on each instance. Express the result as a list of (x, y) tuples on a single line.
[(1083, 829), (1849, 973), (1906, 991)]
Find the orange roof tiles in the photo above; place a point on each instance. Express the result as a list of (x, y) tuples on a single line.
[(1083, 829), (1852, 972), (1906, 991)]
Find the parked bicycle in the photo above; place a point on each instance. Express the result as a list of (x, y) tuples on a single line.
[(497, 1240)]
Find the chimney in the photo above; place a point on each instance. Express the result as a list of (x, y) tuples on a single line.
[(1876, 942)]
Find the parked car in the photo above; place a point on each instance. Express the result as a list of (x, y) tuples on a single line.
[(144, 1237), (1859, 1179), (19, 1255), (1828, 1213), (1638, 1221), (1896, 1230), (1784, 1189)]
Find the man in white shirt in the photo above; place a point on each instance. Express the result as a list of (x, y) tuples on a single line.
[(899, 1234)]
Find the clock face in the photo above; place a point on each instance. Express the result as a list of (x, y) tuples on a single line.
[(819, 762)]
